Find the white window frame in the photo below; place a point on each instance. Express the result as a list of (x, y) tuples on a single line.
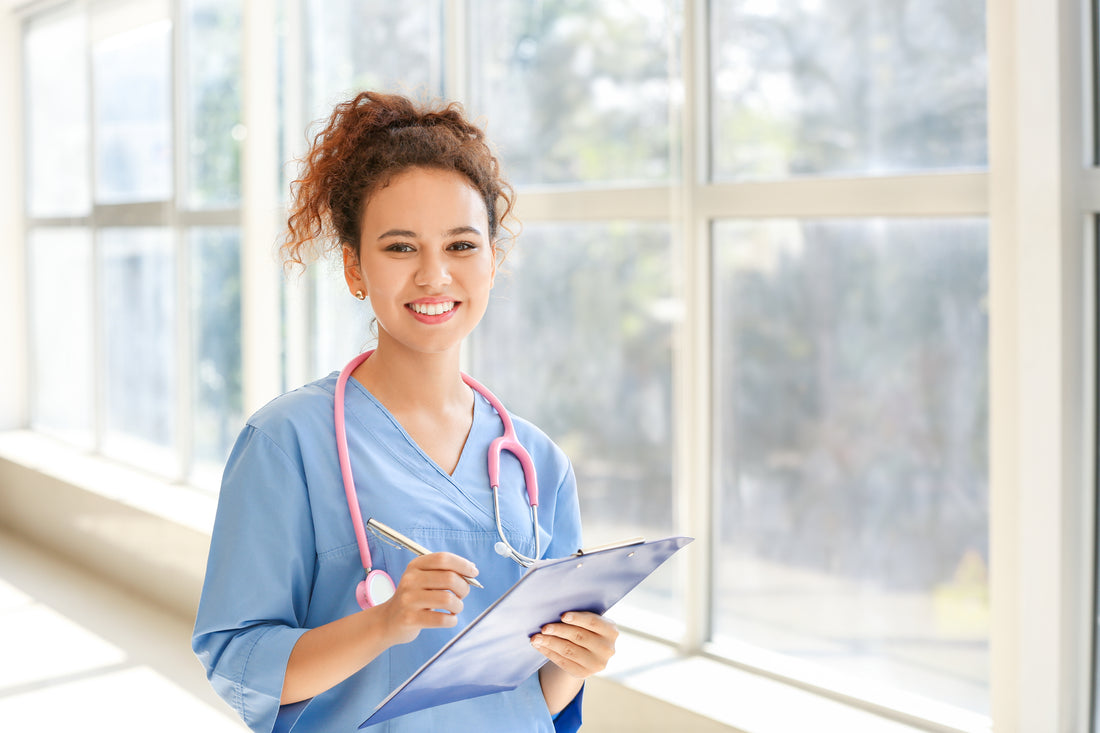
[(1042, 433)]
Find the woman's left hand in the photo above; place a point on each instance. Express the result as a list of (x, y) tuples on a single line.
[(581, 644)]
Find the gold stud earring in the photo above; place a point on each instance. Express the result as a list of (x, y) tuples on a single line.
[(359, 294)]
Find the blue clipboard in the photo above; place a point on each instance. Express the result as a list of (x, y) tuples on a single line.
[(494, 652)]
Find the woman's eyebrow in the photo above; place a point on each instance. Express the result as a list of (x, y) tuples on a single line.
[(462, 230), (403, 233), (409, 234)]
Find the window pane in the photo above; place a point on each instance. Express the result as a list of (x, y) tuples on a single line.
[(579, 91), (851, 448), (138, 304), (356, 46), (217, 411), (58, 176), (577, 339), (133, 114), (61, 331), (847, 87), (213, 96)]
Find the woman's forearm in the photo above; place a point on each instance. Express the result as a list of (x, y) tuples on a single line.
[(558, 687), (329, 654)]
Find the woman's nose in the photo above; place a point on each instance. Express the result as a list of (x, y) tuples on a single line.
[(433, 271)]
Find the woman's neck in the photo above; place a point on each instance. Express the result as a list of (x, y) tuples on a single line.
[(405, 380), (426, 395)]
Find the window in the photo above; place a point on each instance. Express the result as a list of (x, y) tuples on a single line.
[(145, 222), (904, 91), (137, 309), (56, 58), (851, 440), (750, 297), (579, 92), (850, 355), (211, 97), (132, 106), (62, 389)]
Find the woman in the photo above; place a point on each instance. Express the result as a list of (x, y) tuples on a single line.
[(414, 199)]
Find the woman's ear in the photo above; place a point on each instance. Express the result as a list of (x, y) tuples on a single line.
[(353, 274)]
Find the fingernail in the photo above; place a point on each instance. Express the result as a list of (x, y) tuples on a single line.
[(537, 641), (567, 618)]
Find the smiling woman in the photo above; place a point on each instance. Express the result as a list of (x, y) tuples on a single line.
[(413, 198)]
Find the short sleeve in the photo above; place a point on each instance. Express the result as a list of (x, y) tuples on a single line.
[(566, 537), (258, 577)]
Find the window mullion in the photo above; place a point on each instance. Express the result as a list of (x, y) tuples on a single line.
[(692, 378), (99, 335), (259, 287), (185, 353)]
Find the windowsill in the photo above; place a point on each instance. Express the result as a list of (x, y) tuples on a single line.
[(145, 534), (177, 503), (151, 536)]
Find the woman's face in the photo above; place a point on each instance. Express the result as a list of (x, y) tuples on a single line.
[(425, 259)]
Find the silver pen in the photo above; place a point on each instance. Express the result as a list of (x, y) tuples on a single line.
[(395, 537)]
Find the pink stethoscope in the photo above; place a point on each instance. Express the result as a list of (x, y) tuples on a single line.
[(378, 587)]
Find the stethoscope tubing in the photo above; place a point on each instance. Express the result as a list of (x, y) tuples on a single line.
[(345, 461), (508, 441)]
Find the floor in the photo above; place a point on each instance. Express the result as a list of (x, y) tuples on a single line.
[(78, 654)]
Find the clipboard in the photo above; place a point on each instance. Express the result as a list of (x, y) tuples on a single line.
[(494, 653)]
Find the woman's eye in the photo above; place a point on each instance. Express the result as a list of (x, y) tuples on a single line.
[(399, 247), (463, 246)]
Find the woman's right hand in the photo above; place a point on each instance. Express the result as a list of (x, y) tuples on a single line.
[(428, 596)]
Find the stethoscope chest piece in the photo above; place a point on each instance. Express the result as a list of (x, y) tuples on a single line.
[(375, 590)]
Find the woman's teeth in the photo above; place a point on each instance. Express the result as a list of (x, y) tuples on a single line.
[(432, 309)]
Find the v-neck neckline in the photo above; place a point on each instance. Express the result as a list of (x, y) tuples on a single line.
[(462, 459)]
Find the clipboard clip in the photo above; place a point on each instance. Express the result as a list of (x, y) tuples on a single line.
[(609, 546)]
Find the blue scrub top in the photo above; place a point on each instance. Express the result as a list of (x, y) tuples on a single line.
[(283, 557)]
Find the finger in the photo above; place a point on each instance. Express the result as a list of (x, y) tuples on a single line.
[(436, 580), (430, 619), (574, 634), (591, 621), (446, 561), (443, 601), (573, 659), (413, 618), (599, 635)]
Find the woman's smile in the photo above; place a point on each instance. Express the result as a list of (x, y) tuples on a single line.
[(433, 311)]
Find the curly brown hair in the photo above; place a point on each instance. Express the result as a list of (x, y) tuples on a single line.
[(367, 141)]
